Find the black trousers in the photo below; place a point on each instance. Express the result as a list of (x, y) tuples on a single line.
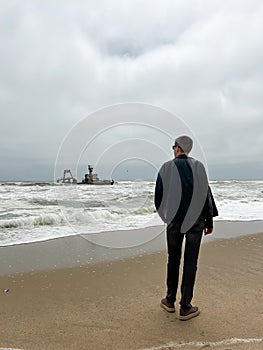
[(175, 239)]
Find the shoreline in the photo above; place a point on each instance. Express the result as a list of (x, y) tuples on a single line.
[(115, 305), (78, 250), (257, 227)]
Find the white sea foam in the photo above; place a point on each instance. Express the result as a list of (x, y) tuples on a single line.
[(39, 211), (199, 344), (10, 349)]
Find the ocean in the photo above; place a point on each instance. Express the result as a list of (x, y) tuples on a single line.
[(37, 211)]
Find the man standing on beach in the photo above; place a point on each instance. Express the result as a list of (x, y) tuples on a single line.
[(185, 203)]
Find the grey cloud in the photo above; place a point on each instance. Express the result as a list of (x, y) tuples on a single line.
[(60, 61)]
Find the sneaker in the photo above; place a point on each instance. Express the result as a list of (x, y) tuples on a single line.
[(169, 307), (187, 314)]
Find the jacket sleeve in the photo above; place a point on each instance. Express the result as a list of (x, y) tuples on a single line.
[(158, 192), (210, 209), (214, 208)]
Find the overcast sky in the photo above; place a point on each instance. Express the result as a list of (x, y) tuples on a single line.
[(199, 60)]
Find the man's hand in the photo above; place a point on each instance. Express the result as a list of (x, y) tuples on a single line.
[(208, 231)]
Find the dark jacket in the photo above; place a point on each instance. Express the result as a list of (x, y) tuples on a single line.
[(182, 193)]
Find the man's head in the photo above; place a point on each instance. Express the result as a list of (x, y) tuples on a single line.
[(182, 144)]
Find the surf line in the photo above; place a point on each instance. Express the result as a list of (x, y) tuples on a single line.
[(9, 349), (199, 344)]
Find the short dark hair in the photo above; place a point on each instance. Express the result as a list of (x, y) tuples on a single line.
[(176, 144)]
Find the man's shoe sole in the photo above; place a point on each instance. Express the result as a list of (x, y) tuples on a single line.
[(166, 308), (188, 317)]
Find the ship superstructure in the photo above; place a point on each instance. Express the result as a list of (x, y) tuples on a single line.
[(93, 179)]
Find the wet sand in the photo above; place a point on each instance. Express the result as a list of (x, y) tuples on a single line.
[(115, 305), (81, 250)]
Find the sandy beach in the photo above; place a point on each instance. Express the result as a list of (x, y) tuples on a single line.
[(115, 305)]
